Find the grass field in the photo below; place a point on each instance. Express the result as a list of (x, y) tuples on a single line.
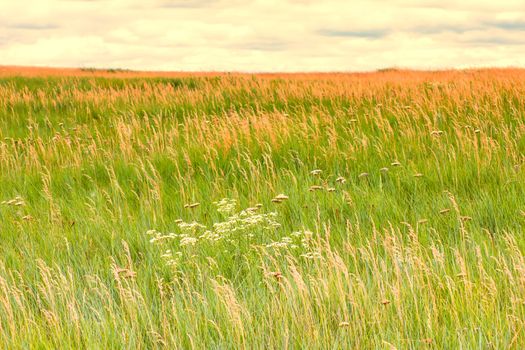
[(380, 210)]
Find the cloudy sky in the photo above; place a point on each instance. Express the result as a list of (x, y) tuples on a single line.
[(262, 35)]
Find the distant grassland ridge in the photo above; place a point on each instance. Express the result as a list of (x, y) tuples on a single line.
[(216, 210)]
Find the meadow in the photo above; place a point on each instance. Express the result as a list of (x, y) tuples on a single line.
[(269, 211)]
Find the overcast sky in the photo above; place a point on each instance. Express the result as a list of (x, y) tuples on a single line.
[(262, 35)]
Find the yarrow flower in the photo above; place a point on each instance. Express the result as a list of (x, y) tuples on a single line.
[(226, 206), (237, 227)]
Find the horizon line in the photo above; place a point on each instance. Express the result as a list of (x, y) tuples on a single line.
[(14, 70)]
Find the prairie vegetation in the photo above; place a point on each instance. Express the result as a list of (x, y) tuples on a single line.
[(379, 210)]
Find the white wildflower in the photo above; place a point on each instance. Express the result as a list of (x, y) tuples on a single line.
[(188, 241), (226, 206)]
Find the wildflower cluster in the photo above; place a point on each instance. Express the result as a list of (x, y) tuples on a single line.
[(226, 206), (300, 241), (236, 227)]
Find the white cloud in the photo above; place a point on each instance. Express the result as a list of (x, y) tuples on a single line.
[(262, 35)]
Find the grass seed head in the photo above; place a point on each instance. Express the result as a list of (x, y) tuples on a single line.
[(124, 272), (192, 205), (279, 198), (276, 274)]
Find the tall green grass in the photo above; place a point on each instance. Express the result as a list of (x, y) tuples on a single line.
[(402, 226)]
